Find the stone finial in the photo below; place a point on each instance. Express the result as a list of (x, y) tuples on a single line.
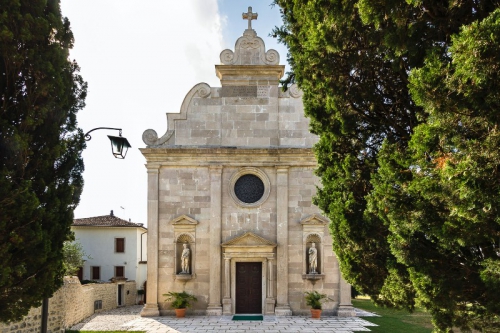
[(249, 16), (249, 49)]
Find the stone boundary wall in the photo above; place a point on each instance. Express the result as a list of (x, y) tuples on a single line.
[(71, 304)]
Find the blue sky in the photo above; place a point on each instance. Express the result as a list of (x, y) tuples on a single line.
[(140, 59)]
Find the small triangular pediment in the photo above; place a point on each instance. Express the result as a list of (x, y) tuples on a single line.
[(184, 220), (248, 239), (314, 219)]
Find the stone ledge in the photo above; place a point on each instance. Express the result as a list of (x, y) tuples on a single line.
[(184, 277), (213, 155), (251, 72), (313, 276)]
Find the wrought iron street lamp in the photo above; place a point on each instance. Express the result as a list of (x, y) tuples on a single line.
[(119, 144), (119, 148)]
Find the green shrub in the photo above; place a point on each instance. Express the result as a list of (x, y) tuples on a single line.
[(180, 300), (313, 299)]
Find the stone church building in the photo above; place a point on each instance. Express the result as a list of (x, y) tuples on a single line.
[(230, 187)]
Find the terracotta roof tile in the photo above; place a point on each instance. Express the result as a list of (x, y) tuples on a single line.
[(106, 221)]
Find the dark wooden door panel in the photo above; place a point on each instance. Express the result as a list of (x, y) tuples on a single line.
[(248, 287)]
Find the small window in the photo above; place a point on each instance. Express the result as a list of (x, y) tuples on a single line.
[(119, 271), (95, 272), (120, 245), (98, 305)]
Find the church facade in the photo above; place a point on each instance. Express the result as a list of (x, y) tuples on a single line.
[(230, 187)]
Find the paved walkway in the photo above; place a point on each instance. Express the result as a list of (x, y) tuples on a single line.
[(128, 319)]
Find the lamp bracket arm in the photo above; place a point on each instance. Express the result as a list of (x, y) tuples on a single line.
[(88, 137)]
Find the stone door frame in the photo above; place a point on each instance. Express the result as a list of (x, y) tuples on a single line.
[(230, 260), (248, 248)]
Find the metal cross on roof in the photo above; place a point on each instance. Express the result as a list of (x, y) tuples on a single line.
[(250, 16)]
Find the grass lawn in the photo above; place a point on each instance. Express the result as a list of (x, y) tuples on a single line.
[(395, 321)]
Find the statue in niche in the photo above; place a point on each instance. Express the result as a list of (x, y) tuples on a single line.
[(313, 259), (185, 259)]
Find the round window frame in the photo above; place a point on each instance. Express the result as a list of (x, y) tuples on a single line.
[(250, 171)]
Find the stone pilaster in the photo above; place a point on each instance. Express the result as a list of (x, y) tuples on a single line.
[(283, 307), (270, 284), (227, 277), (226, 302), (214, 305), (270, 300), (151, 308), (345, 307)]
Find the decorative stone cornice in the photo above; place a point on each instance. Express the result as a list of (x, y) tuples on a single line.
[(235, 73), (150, 137), (314, 219), (184, 220), (181, 155), (248, 239)]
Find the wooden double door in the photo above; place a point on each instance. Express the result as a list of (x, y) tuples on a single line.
[(248, 287)]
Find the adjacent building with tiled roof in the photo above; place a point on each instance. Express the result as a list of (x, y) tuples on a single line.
[(117, 247), (105, 221)]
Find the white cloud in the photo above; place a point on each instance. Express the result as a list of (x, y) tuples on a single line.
[(140, 59)]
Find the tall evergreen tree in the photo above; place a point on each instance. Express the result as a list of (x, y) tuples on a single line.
[(40, 151), (404, 97)]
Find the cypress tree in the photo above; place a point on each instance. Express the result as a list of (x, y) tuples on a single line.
[(404, 97), (40, 151)]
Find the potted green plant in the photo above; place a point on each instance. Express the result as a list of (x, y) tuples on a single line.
[(314, 300), (180, 301)]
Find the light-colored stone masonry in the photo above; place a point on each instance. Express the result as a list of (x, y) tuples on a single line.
[(302, 188), (71, 304), (246, 127), (186, 191)]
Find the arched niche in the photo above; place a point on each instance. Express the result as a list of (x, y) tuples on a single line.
[(184, 241), (313, 230), (318, 245), (184, 235)]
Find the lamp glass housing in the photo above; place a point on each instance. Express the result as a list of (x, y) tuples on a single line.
[(119, 146)]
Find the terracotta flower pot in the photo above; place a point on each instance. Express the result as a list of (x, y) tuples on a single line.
[(315, 313), (180, 313)]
